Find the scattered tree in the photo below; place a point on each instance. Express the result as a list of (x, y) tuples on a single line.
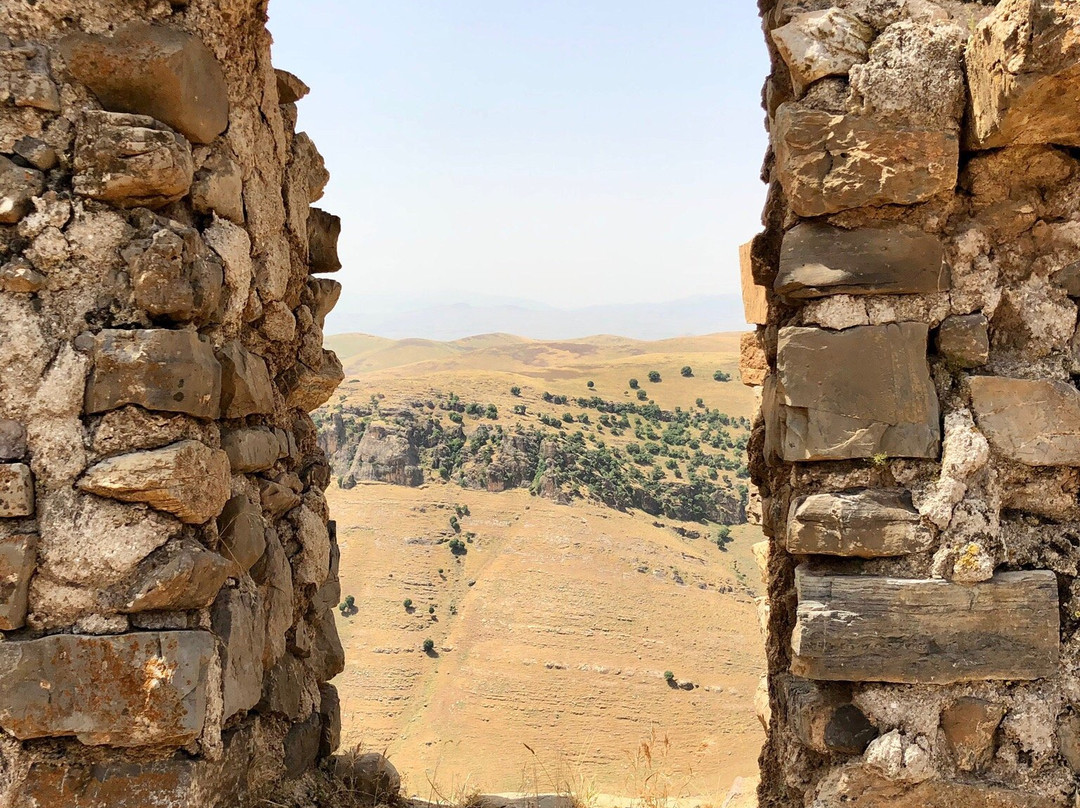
[(642, 395), (687, 371), (429, 646), (408, 604), (669, 676), (431, 610), (590, 384), (633, 384), (515, 391), (720, 376), (654, 377)]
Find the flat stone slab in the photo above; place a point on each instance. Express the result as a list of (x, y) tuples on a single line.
[(250, 449), (828, 163), (153, 70), (1032, 421), (159, 369), (964, 340), (861, 628), (862, 524), (17, 560), (862, 392), (133, 689), (1023, 65), (187, 479), (822, 43), (246, 388), (818, 260)]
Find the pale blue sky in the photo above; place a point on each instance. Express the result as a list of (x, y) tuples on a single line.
[(572, 152)]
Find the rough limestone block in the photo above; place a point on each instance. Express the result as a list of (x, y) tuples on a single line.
[(276, 498), (18, 555), (821, 43), (219, 188), (25, 76), (236, 619), (18, 275), (153, 70), (828, 163), (18, 186), (1023, 65), (187, 479), (290, 88), (16, 490), (860, 524), (327, 654), (182, 575), (859, 785), (969, 725), (308, 389), (37, 153), (124, 690), (325, 293), (754, 297), (1068, 733), (818, 260), (284, 688), (1032, 421), (174, 276), (130, 161), (246, 388), (861, 392), (330, 712), (873, 629), (302, 745), (964, 340), (323, 232), (825, 720), (250, 449), (242, 532), (159, 369)]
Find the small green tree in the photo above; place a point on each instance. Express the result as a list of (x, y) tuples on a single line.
[(654, 377), (455, 525), (633, 384), (687, 371), (590, 384), (429, 646), (408, 604), (669, 676), (642, 395), (515, 391), (720, 376), (431, 610)]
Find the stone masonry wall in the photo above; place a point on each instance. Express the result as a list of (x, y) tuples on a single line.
[(167, 569), (917, 455)]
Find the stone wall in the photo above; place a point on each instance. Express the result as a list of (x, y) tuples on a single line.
[(167, 570), (917, 454)]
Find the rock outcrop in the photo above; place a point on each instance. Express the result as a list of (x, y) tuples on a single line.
[(163, 530)]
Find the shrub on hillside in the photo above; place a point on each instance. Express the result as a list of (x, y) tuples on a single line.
[(687, 371), (720, 376), (654, 377), (633, 384)]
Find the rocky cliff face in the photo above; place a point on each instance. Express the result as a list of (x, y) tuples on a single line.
[(167, 570), (916, 454)]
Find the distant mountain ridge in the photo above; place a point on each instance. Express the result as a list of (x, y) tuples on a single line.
[(457, 320)]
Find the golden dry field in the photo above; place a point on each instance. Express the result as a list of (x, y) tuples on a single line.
[(553, 632)]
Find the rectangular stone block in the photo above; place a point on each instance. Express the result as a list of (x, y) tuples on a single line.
[(818, 260), (753, 364), (17, 558), (861, 524), (828, 163), (133, 689), (159, 369), (16, 490), (862, 392), (874, 629), (755, 301), (1032, 421)]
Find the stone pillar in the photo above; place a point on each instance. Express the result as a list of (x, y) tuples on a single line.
[(917, 454), (167, 575)]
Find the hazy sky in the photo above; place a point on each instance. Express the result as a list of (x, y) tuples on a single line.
[(572, 152)]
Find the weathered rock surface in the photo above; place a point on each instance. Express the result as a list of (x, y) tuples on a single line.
[(818, 260), (825, 720), (237, 620), (822, 43), (250, 449), (16, 490), (242, 532), (1032, 421), (17, 562), (218, 187), (246, 388), (302, 745), (386, 454), (159, 369), (330, 713), (862, 524), (131, 161), (753, 363), (323, 232), (1024, 73), (153, 70), (969, 725), (27, 81), (290, 88), (1068, 737), (827, 412), (859, 786), (19, 275), (156, 693), (308, 389), (875, 629), (964, 340), (187, 479), (325, 293), (370, 775), (18, 186), (181, 575), (829, 163)]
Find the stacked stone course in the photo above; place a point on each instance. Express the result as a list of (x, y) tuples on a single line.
[(916, 457), (168, 573)]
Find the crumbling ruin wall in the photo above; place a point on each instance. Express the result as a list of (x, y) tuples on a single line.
[(167, 570), (918, 449)]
